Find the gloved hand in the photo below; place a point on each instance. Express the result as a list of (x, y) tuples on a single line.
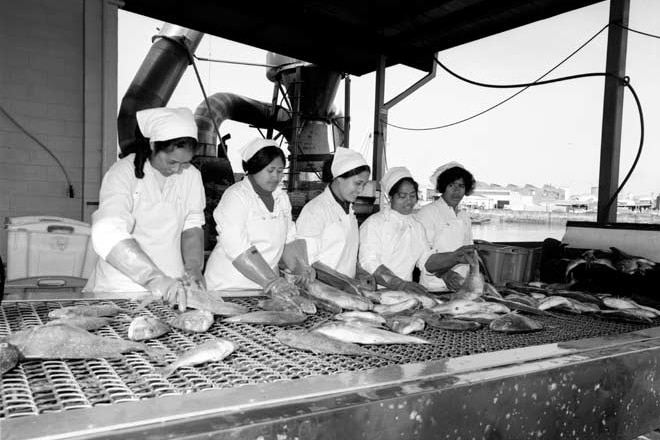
[(128, 258), (464, 254), (365, 280), (171, 290), (280, 288), (452, 280), (192, 252), (294, 257), (253, 266), (306, 274), (385, 277)]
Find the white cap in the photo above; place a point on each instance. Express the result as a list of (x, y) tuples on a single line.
[(392, 176), (442, 169), (346, 160), (163, 124), (256, 144)]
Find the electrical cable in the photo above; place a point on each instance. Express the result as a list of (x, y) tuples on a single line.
[(638, 32), (70, 191), (507, 99)]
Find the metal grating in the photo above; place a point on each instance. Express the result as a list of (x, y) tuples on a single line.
[(38, 387)]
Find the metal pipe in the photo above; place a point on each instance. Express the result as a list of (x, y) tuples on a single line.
[(347, 110), (156, 78), (379, 127)]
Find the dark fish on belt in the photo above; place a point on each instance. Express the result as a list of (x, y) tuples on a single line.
[(515, 323), (348, 332), (193, 321), (146, 327), (87, 310), (437, 321), (209, 351), (515, 304), (63, 341), (83, 322), (9, 357), (320, 343), (269, 318)]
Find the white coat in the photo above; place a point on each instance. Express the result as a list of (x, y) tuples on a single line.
[(138, 208), (446, 230), (243, 221), (332, 236), (395, 240)]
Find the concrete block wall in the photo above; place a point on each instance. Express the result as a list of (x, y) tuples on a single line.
[(54, 81)]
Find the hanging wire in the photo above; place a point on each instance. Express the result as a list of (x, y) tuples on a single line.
[(507, 99), (638, 32), (70, 191)]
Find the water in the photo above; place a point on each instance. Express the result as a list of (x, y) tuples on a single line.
[(496, 231)]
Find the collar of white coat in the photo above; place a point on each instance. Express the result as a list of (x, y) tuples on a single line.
[(442, 205), (330, 200), (391, 214), (246, 184)]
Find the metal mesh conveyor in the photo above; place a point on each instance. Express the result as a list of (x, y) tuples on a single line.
[(38, 387)]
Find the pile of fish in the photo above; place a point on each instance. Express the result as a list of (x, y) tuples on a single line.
[(614, 260)]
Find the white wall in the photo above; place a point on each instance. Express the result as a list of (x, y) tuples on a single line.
[(58, 79)]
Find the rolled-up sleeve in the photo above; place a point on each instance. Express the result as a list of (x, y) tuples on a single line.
[(113, 221), (371, 245), (309, 227), (195, 202), (231, 216)]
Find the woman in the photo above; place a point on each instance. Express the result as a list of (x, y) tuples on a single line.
[(392, 242), (448, 228), (327, 222), (148, 228), (255, 229)]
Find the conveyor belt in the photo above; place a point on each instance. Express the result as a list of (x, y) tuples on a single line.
[(37, 387)]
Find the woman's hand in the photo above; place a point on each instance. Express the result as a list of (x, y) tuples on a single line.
[(452, 280), (171, 290), (464, 254)]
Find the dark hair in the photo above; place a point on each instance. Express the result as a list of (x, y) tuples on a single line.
[(453, 174), (143, 149), (262, 158), (397, 186)]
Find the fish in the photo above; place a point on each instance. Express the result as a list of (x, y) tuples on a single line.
[(515, 323), (83, 322), (630, 315), (405, 324), (97, 310), (338, 280), (372, 295), (524, 299), (629, 264), (627, 303), (146, 327), (370, 317), (268, 318), (202, 300), (9, 357), (457, 307), (390, 297), (348, 332), (584, 307), (325, 305), (437, 321), (193, 321), (320, 343), (305, 304), (571, 266), (538, 284), (580, 296), (272, 304), (490, 290), (480, 317), (494, 307), (519, 306), (401, 307), (473, 287), (554, 301), (524, 288), (338, 297), (63, 341), (209, 351), (538, 296)]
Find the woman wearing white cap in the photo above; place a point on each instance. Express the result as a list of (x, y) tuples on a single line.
[(392, 242), (328, 223), (148, 228), (448, 228), (255, 228)]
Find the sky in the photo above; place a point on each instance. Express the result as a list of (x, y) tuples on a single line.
[(546, 135)]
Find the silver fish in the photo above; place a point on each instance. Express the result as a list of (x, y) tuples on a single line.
[(210, 351), (345, 331), (627, 303), (401, 307), (480, 317), (193, 321), (405, 324), (202, 300), (87, 310), (268, 318), (474, 284), (83, 322), (338, 297), (457, 306), (554, 301), (63, 341), (146, 327), (320, 343), (515, 323), (374, 318)]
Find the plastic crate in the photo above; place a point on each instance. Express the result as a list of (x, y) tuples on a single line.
[(509, 263), (48, 246)]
